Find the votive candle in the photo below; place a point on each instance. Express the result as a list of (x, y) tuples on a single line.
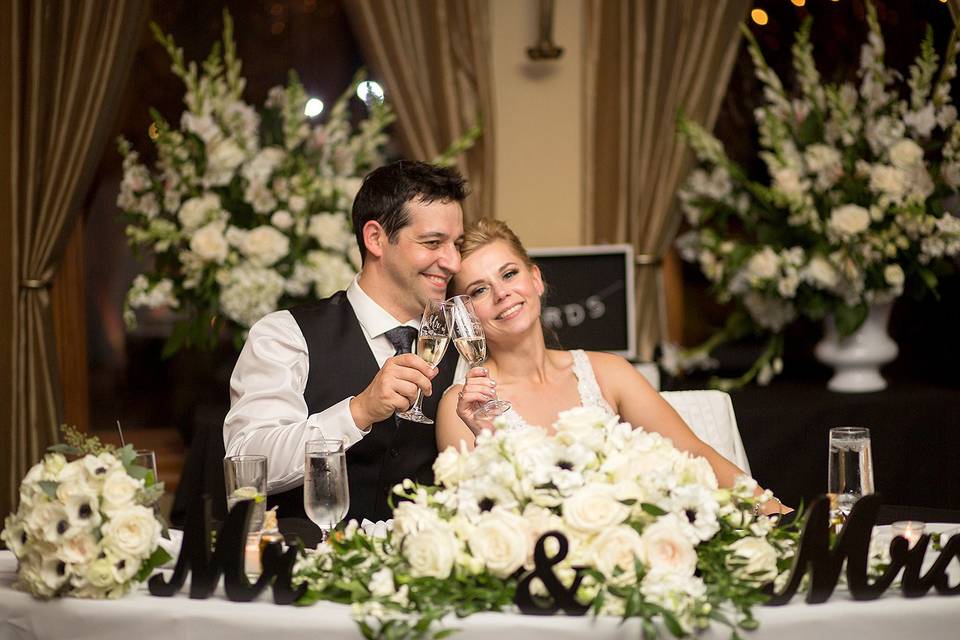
[(909, 529)]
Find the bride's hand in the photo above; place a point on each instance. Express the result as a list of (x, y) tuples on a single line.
[(477, 389)]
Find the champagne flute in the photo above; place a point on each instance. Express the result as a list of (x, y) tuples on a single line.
[(431, 345), (326, 494), (469, 340)]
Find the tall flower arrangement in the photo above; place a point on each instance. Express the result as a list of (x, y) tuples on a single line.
[(858, 206), (658, 539), (243, 211)]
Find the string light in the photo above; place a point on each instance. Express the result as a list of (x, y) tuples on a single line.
[(759, 16), (370, 90), (313, 108), (798, 3)]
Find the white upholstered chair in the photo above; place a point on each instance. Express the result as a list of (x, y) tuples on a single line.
[(710, 415)]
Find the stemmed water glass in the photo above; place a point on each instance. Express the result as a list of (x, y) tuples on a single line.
[(469, 340), (431, 345), (326, 494)]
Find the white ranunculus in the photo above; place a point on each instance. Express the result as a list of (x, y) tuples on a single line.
[(331, 231), (764, 264), (260, 168), (264, 245), (753, 560), (223, 157), (615, 550), (665, 547), (887, 180), (297, 203), (893, 274), (209, 242), (330, 273), (848, 220), (820, 273), (119, 491), (905, 154), (133, 532), (593, 508), (196, 212), (501, 540), (251, 292), (78, 549), (260, 197), (100, 573), (431, 552)]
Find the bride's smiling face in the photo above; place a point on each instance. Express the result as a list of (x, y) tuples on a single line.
[(505, 291)]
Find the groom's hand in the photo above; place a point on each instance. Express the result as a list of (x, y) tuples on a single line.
[(393, 389)]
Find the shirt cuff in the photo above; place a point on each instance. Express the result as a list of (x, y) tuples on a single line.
[(337, 422)]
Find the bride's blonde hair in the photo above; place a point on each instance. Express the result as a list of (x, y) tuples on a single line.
[(488, 230)]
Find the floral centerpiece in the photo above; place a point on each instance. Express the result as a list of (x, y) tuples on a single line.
[(245, 212), (658, 539), (858, 207), (85, 528)]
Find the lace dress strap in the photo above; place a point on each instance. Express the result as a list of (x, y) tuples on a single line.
[(587, 386)]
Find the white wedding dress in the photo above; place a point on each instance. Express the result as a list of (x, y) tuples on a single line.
[(587, 387)]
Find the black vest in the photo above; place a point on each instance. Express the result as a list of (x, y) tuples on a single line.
[(342, 365)]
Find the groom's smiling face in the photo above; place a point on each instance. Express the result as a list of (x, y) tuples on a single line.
[(424, 255)]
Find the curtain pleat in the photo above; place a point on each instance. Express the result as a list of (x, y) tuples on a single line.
[(61, 74), (434, 59), (646, 60)]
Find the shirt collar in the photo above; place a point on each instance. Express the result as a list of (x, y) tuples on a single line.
[(374, 319)]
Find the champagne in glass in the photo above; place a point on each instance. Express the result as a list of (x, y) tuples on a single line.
[(469, 340), (326, 494), (431, 345), (850, 468), (245, 478)]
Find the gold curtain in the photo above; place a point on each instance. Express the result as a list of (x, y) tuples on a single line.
[(434, 59), (62, 66), (645, 61)]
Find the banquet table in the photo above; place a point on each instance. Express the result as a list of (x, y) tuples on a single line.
[(145, 617)]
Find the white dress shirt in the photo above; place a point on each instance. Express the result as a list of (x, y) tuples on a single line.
[(268, 413)]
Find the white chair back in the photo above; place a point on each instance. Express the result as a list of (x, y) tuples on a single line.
[(709, 414)]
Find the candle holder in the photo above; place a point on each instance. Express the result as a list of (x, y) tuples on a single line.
[(909, 529)]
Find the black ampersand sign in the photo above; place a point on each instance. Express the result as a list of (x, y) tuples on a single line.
[(561, 596)]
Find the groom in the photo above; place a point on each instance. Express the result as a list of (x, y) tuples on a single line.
[(342, 367)]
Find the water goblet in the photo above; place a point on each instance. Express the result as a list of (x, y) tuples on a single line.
[(850, 469), (469, 340), (432, 343), (245, 477), (326, 494)]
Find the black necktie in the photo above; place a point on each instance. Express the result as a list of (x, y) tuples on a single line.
[(402, 339)]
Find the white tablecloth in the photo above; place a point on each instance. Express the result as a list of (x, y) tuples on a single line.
[(141, 616)]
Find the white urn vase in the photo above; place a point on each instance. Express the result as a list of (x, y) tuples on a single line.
[(857, 358)]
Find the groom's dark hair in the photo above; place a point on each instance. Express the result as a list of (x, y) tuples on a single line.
[(385, 192)]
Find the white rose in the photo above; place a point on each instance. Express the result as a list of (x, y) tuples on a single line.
[(614, 549), (100, 573), (264, 245), (297, 203), (448, 468), (197, 211), (501, 540), (132, 533), (330, 230), (593, 509), (893, 274), (753, 560), (431, 552), (848, 220), (223, 157), (664, 547), (764, 264), (582, 425), (821, 273), (905, 154), (262, 165), (209, 242), (888, 180), (119, 491), (381, 583)]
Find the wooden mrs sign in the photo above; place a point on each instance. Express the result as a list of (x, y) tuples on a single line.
[(853, 544), (206, 567)]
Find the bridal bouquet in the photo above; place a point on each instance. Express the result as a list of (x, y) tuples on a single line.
[(859, 204), (648, 527), (85, 528), (243, 212)]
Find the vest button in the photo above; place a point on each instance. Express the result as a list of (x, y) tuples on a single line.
[(395, 452)]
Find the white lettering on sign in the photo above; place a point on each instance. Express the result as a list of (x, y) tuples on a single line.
[(595, 307), (574, 314), (551, 317)]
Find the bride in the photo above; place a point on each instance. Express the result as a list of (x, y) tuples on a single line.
[(506, 287)]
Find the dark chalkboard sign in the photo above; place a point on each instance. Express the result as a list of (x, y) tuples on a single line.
[(590, 297)]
